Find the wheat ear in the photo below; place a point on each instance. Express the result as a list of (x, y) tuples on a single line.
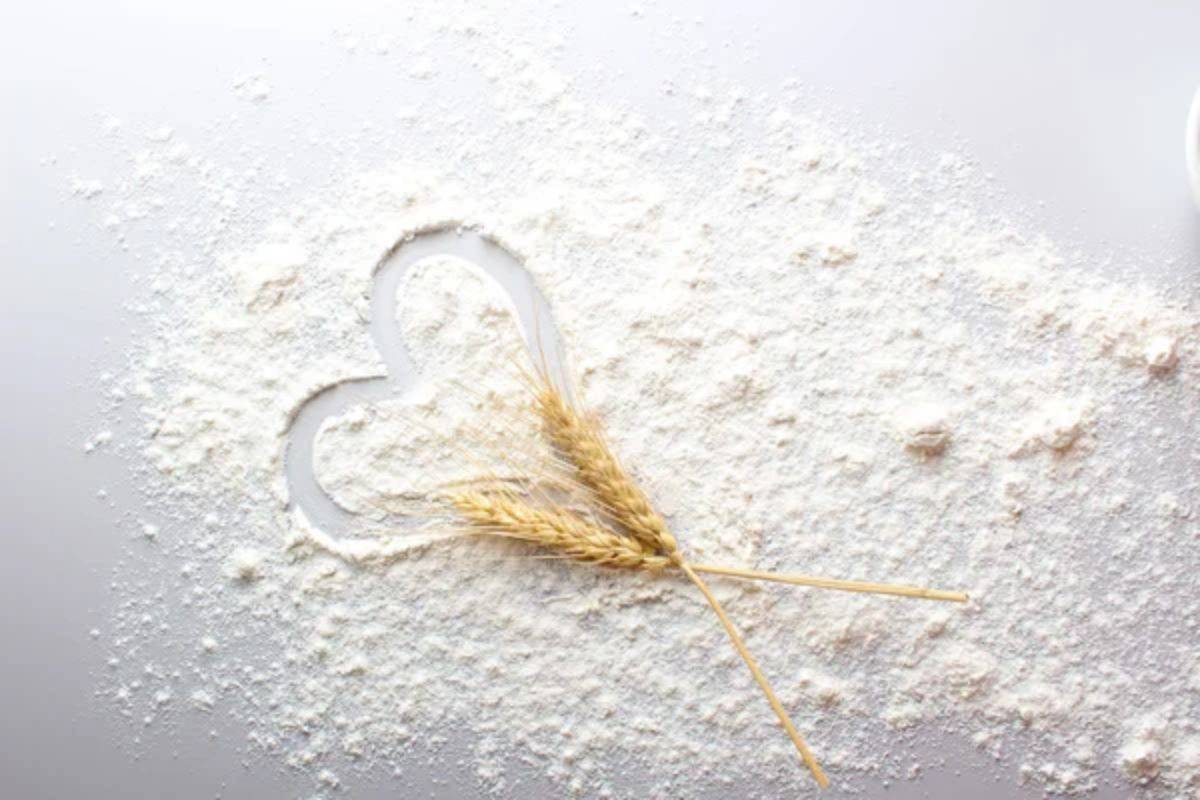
[(555, 529), (580, 441)]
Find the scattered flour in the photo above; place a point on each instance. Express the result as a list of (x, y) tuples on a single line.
[(924, 428), (253, 88), (1143, 755), (99, 440), (87, 189), (264, 276), (820, 351), (1160, 354), (246, 564), (1056, 426), (203, 700)]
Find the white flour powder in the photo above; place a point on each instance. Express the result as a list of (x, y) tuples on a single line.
[(815, 348)]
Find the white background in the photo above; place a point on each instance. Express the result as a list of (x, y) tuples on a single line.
[(1077, 109)]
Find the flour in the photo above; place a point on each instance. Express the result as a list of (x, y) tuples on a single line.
[(246, 564), (99, 440), (818, 351), (1160, 354), (202, 700), (1057, 426), (1144, 753), (252, 88), (924, 428), (265, 275), (86, 189)]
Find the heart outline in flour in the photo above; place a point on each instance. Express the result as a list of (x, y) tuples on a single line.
[(327, 524)]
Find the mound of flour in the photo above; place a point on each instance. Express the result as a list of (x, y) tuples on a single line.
[(818, 350)]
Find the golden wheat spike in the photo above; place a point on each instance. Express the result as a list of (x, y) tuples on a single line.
[(581, 442), (555, 529)]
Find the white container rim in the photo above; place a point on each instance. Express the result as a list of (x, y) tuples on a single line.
[(1192, 145)]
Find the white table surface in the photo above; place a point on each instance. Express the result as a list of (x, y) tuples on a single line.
[(1077, 108)]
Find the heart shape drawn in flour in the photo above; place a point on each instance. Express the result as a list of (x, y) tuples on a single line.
[(344, 529)]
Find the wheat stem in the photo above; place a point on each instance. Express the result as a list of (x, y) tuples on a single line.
[(834, 583), (806, 755)]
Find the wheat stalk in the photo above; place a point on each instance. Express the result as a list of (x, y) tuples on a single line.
[(581, 442), (579, 439), (864, 587), (649, 545)]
